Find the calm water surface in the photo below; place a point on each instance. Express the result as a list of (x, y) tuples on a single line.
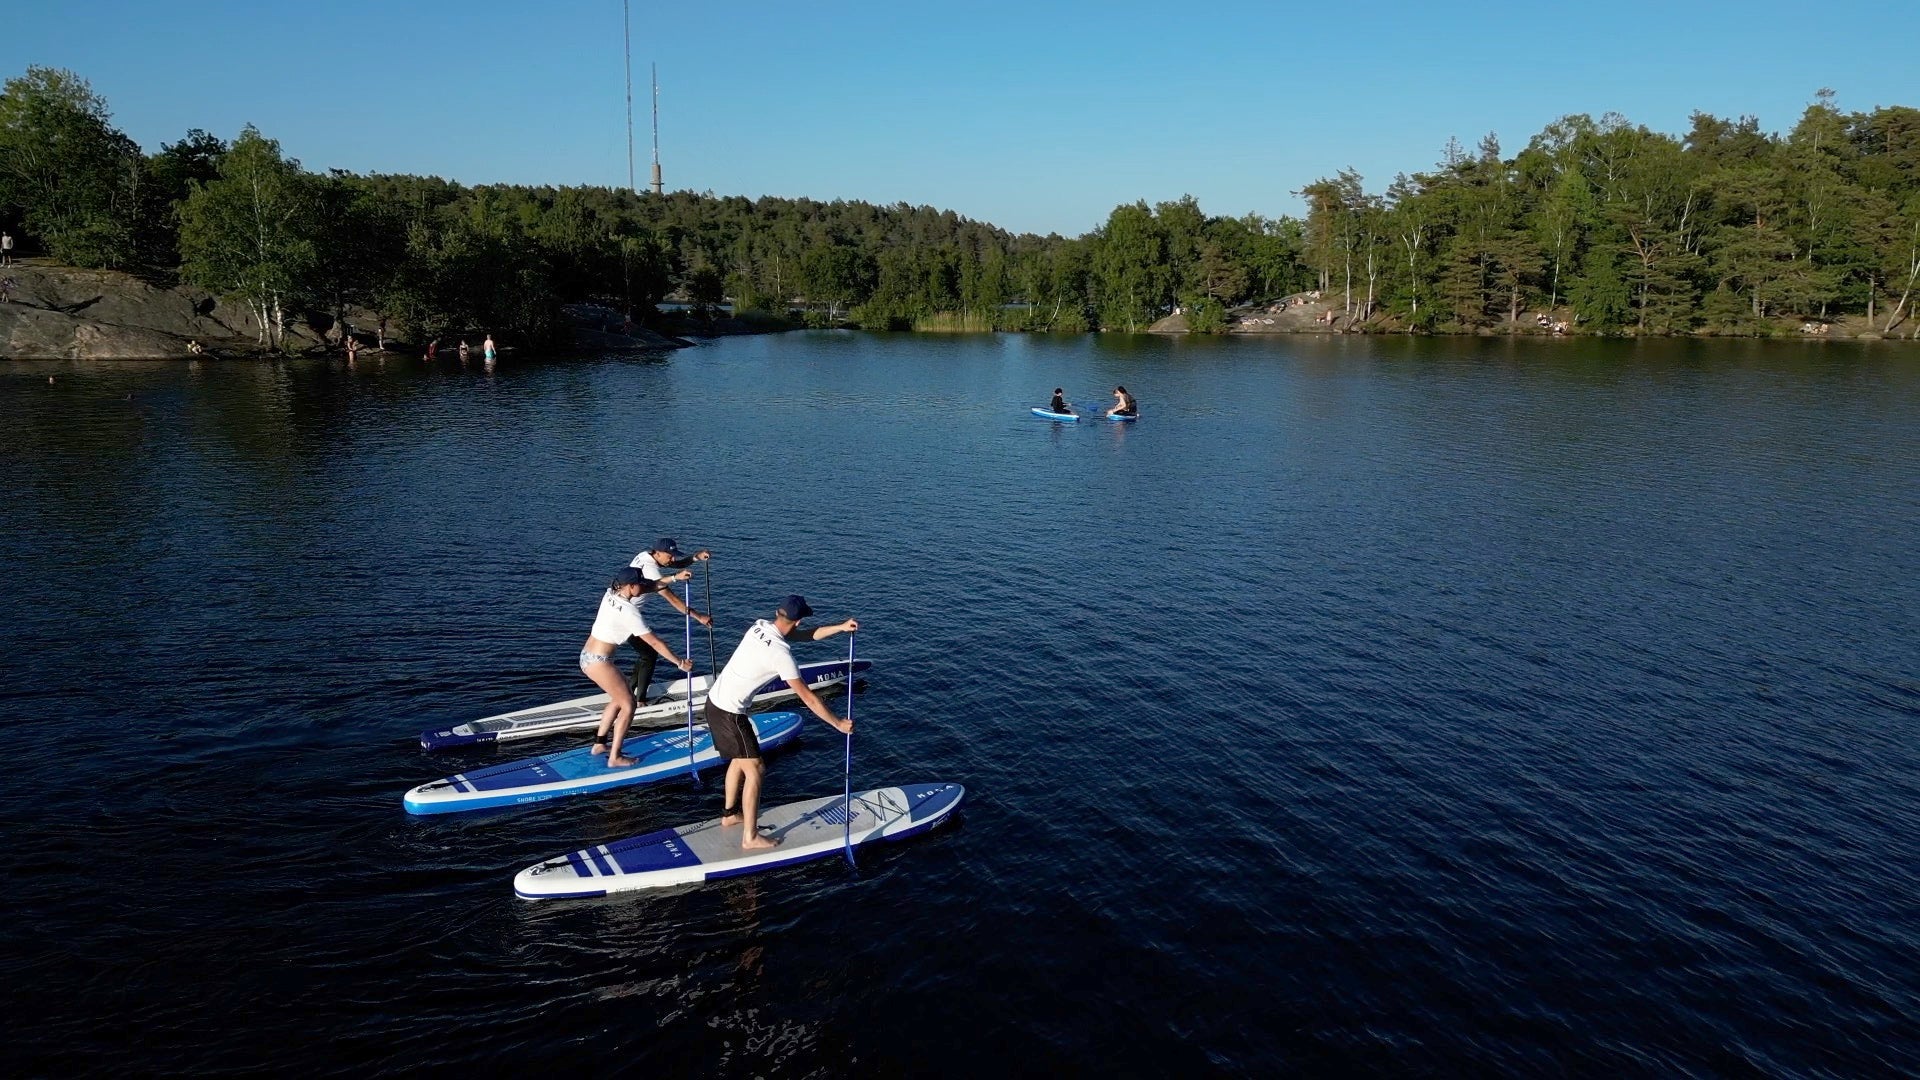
[(1434, 707)]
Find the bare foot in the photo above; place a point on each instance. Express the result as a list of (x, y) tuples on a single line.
[(620, 761), (727, 820), (757, 842), (599, 745)]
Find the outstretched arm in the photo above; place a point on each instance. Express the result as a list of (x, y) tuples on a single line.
[(813, 702), (680, 605), (661, 647), (822, 633)]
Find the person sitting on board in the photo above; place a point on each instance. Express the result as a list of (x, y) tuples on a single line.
[(1059, 404), (1127, 406), (663, 555), (619, 620), (765, 652)]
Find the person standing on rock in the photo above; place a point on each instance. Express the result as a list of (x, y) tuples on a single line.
[(6, 249)]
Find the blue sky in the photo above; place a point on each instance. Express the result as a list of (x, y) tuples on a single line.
[(1034, 116)]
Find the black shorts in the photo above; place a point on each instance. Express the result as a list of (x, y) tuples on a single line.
[(733, 734)]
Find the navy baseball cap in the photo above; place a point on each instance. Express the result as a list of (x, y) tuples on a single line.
[(668, 545), (793, 607), (628, 575)]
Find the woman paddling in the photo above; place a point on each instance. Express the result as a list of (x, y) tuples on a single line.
[(1125, 405), (619, 619)]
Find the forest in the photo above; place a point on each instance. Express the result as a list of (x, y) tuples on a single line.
[(1605, 225)]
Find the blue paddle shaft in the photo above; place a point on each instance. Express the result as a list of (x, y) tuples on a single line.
[(847, 775), (689, 657)]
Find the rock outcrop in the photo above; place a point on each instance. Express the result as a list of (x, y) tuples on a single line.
[(61, 313)]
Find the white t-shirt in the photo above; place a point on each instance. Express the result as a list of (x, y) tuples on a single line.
[(761, 655), (619, 619), (649, 569)]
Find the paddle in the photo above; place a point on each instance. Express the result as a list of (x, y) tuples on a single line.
[(847, 775), (689, 655), (706, 570)]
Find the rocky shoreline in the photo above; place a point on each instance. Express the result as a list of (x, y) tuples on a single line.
[(1324, 313), (58, 312), (55, 312)]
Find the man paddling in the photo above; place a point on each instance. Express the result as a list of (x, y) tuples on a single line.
[(653, 563), (765, 652)]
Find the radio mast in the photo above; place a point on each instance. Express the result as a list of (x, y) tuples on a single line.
[(656, 128), (626, 36)]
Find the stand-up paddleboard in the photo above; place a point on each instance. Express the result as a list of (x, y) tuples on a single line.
[(584, 712), (1124, 417), (815, 829), (579, 772), (1051, 415)]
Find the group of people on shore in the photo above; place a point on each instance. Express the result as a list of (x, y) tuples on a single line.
[(1123, 403), (764, 653)]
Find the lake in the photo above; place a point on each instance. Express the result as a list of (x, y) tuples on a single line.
[(1456, 707)]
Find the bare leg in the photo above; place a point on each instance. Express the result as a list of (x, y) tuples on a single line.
[(750, 838), (605, 726), (619, 710), (730, 809), (615, 759)]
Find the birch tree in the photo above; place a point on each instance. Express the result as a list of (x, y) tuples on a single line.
[(247, 235)]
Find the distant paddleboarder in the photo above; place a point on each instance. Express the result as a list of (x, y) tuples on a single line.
[(487, 347), (1059, 403), (619, 620), (763, 654), (1124, 403)]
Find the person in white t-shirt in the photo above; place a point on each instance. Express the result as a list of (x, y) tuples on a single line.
[(619, 620), (763, 654), (654, 563)]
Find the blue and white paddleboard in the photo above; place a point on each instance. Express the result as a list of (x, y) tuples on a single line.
[(579, 772), (1119, 418), (1051, 415), (582, 713), (815, 829)]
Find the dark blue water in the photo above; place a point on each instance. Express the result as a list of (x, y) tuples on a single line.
[(1448, 707)]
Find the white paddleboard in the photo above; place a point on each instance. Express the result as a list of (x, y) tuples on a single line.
[(581, 713), (814, 829)]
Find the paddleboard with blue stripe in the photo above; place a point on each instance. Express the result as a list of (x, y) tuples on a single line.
[(580, 772), (1124, 418), (814, 829), (582, 713), (1051, 415)]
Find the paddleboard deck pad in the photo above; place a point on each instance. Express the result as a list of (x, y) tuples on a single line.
[(579, 772), (1051, 415), (814, 829), (582, 713)]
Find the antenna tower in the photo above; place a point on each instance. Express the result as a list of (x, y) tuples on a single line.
[(626, 36), (656, 128)]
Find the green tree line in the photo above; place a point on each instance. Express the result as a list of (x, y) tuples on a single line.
[(1610, 226)]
